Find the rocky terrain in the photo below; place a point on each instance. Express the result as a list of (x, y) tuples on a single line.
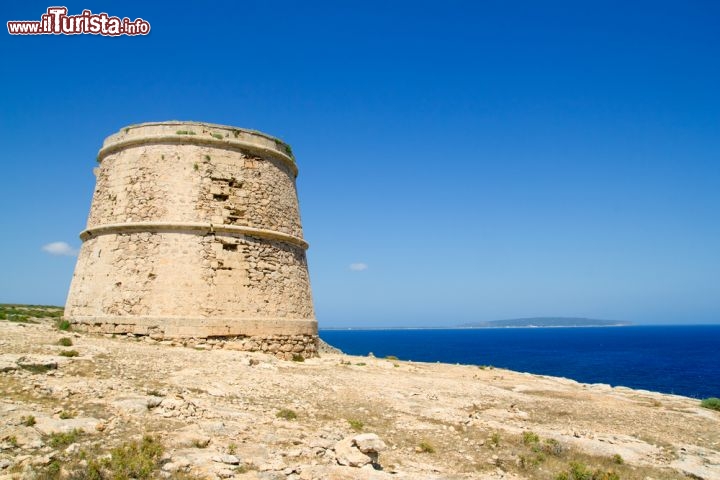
[(90, 406)]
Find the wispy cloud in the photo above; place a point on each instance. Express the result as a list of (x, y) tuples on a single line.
[(59, 248), (358, 267)]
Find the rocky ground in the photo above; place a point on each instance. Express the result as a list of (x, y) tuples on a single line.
[(210, 412)]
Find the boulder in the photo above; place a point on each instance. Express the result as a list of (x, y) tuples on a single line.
[(359, 450)]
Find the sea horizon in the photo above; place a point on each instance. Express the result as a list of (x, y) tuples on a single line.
[(322, 328)]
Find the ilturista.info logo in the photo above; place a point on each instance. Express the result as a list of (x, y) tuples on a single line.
[(56, 21)]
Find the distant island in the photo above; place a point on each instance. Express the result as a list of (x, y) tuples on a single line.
[(545, 322)]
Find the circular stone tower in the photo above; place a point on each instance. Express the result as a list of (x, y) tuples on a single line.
[(194, 231)]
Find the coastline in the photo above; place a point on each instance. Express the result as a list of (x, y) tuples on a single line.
[(473, 328), (669, 359), (205, 401)]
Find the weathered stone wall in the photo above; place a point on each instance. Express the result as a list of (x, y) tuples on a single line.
[(194, 231)]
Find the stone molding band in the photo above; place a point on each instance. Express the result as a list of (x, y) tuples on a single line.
[(191, 227), (189, 327), (225, 143)]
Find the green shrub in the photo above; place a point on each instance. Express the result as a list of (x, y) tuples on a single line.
[(63, 439), (531, 460), (286, 414), (201, 442), (618, 459), (65, 342), (63, 325), (391, 357), (551, 447), (50, 472), (135, 460), (530, 438), (355, 424), (579, 471), (285, 147), (426, 447), (64, 415), (28, 421), (712, 403), (69, 353), (297, 357)]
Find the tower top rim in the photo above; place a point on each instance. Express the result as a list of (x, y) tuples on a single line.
[(199, 133)]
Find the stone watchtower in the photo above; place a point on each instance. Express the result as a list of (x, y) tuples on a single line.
[(194, 231)]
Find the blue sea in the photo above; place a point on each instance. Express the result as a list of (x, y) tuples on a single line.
[(684, 360)]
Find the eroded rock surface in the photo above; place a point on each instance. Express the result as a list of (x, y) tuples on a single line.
[(222, 413)]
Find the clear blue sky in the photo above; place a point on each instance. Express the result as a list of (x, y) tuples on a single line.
[(483, 159)]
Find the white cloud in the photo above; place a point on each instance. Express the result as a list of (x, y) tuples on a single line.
[(358, 267), (59, 248)]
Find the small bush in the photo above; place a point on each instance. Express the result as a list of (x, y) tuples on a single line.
[(426, 447), (285, 147), (551, 447), (530, 438), (527, 461), (28, 421), (13, 441), (297, 357), (185, 132), (232, 449), (65, 342), (361, 364), (51, 471), (391, 357), (64, 415), (355, 424), (63, 439), (712, 403), (578, 471), (135, 460), (63, 325), (618, 459), (217, 135), (495, 439), (286, 414), (69, 353), (201, 442)]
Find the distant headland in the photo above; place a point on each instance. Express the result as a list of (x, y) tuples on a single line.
[(545, 322)]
